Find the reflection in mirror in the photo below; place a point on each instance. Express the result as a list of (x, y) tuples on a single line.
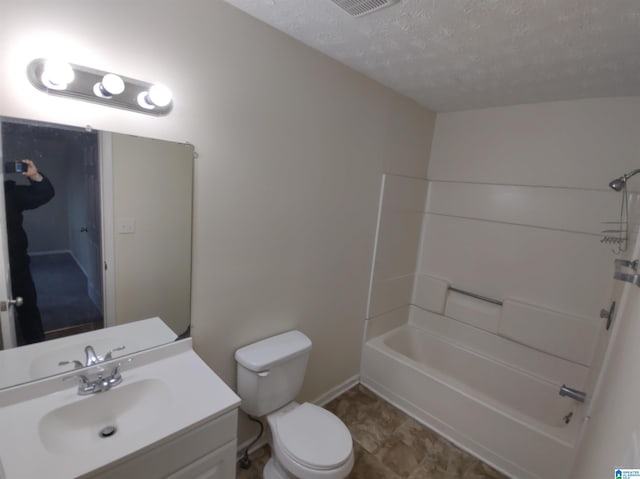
[(112, 246), (54, 239)]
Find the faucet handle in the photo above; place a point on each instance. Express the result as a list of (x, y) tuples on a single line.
[(116, 369), (76, 364), (85, 386), (109, 355), (115, 377), (80, 377)]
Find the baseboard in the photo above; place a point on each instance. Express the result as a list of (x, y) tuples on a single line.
[(50, 252), (95, 295), (333, 393), (84, 271)]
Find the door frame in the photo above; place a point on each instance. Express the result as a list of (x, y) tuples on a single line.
[(7, 318), (105, 148)]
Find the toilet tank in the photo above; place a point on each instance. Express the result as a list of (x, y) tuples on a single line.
[(270, 372)]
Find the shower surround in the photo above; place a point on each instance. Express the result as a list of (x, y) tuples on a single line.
[(513, 213), (485, 369)]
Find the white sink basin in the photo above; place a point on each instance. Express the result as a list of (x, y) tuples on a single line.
[(48, 430), (128, 408)]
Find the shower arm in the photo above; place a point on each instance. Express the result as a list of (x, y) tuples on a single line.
[(626, 176), (631, 173)]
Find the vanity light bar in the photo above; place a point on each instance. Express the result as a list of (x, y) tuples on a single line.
[(76, 81)]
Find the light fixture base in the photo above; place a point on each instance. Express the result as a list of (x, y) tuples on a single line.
[(82, 88)]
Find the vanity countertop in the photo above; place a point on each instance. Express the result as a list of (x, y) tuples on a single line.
[(50, 431)]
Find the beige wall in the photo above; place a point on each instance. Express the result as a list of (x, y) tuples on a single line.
[(152, 181), (292, 146), (575, 144)]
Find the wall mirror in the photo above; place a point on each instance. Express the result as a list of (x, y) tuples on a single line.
[(111, 248)]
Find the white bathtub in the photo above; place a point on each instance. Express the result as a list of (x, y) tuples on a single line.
[(511, 418)]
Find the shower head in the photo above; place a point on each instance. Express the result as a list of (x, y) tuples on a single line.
[(619, 183)]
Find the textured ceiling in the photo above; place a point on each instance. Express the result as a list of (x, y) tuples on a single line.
[(464, 54)]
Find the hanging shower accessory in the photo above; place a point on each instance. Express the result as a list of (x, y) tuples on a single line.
[(624, 270), (620, 235)]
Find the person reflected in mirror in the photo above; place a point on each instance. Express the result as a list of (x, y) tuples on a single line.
[(19, 198)]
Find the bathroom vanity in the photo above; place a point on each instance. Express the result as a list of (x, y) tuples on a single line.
[(127, 400), (169, 415)]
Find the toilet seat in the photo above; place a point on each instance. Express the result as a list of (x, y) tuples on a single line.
[(312, 437)]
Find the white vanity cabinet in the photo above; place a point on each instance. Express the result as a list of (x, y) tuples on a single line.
[(169, 417), (207, 451)]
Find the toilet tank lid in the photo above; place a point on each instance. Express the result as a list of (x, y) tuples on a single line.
[(267, 353)]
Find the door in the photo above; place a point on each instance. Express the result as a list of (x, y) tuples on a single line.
[(89, 250), (64, 236)]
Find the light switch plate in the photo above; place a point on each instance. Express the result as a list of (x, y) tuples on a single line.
[(126, 225)]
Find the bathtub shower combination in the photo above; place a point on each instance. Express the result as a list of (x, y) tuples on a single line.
[(489, 334), (491, 395)]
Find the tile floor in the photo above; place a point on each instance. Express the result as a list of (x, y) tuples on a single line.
[(389, 444)]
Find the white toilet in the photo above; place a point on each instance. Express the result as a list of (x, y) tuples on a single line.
[(307, 441)]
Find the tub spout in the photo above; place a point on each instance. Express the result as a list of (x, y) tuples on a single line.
[(573, 393)]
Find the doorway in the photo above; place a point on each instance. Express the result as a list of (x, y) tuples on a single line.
[(64, 235)]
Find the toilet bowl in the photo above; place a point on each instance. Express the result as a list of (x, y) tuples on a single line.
[(308, 442)]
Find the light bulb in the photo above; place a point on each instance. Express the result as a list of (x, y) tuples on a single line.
[(110, 85), (143, 101), (159, 95), (57, 74)]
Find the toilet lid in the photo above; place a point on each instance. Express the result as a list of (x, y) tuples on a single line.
[(314, 437)]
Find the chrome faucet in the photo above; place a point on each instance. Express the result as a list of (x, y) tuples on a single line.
[(579, 396), (91, 357), (98, 383)]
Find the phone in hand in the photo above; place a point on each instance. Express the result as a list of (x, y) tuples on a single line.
[(16, 166), (19, 166)]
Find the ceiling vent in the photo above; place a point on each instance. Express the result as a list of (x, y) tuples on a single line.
[(357, 8)]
